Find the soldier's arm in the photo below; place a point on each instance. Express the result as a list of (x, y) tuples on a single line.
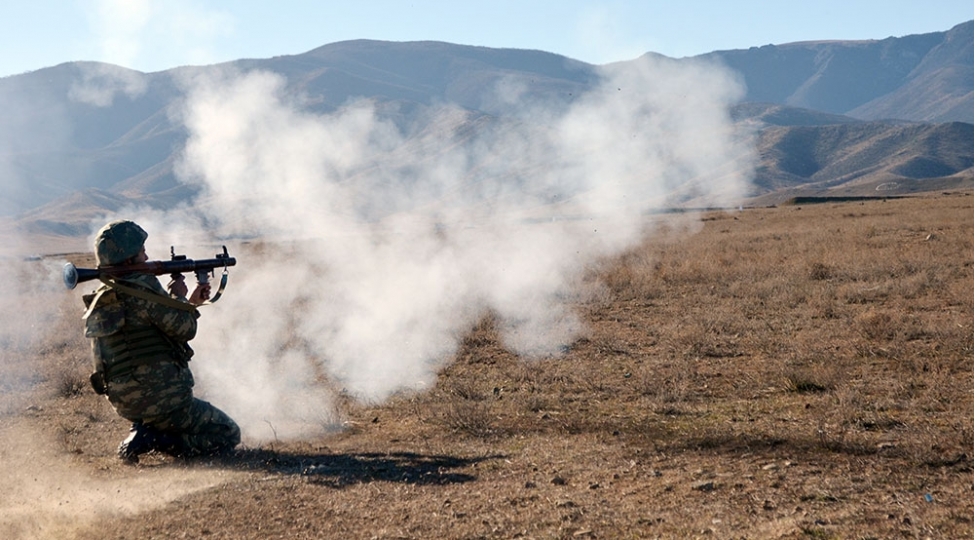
[(176, 323), (179, 324)]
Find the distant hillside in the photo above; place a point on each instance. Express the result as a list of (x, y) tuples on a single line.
[(53, 145), (427, 72), (769, 114), (866, 155), (926, 77), (829, 114)]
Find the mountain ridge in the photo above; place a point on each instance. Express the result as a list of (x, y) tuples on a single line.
[(920, 77), (126, 146)]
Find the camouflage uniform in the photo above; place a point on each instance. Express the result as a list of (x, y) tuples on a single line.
[(141, 355)]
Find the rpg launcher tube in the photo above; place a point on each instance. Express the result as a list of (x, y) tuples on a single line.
[(73, 275)]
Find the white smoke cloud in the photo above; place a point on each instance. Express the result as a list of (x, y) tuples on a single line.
[(129, 32), (124, 32), (32, 306), (119, 26), (100, 83), (379, 248), (601, 30), (23, 321)]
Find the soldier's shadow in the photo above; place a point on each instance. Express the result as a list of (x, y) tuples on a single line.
[(345, 469)]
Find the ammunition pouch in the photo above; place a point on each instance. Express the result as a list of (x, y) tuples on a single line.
[(182, 353), (133, 347)]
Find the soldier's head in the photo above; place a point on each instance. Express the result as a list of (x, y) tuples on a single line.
[(119, 241)]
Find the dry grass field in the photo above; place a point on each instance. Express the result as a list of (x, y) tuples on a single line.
[(788, 372)]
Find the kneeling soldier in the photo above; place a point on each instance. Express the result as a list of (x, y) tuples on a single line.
[(139, 336)]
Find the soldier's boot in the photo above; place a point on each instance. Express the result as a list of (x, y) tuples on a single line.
[(143, 439), (169, 444), (139, 441)]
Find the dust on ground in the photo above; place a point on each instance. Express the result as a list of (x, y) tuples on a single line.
[(47, 494)]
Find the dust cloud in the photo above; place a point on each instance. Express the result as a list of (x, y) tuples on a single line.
[(367, 249), (32, 306), (45, 496)]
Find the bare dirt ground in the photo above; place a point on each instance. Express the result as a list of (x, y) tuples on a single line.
[(789, 372)]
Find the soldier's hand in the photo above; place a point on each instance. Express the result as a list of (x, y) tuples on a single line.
[(200, 294), (177, 287)]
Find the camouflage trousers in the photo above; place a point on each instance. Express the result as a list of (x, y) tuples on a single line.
[(160, 395)]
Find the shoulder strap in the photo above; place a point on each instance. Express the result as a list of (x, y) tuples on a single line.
[(146, 295)]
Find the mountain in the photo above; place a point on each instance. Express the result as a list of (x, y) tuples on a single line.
[(894, 114), (53, 144), (926, 77), (426, 73), (865, 158)]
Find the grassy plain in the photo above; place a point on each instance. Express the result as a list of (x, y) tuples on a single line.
[(788, 372)]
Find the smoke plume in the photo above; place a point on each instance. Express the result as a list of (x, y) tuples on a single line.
[(375, 247)]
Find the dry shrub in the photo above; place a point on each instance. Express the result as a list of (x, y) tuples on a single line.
[(819, 271), (837, 421), (813, 372), (466, 390), (803, 384), (665, 382), (635, 276), (877, 325), (469, 418), (70, 380), (709, 336)]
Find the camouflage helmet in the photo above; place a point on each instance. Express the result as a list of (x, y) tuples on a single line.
[(118, 241)]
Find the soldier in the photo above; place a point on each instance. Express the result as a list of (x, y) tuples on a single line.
[(139, 336)]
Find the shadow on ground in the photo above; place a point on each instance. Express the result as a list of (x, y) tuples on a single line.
[(340, 470)]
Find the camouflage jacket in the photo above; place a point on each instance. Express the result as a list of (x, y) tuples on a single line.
[(124, 327)]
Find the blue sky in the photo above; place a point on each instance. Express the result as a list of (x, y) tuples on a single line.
[(153, 35)]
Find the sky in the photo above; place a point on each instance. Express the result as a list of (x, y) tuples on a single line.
[(155, 35)]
